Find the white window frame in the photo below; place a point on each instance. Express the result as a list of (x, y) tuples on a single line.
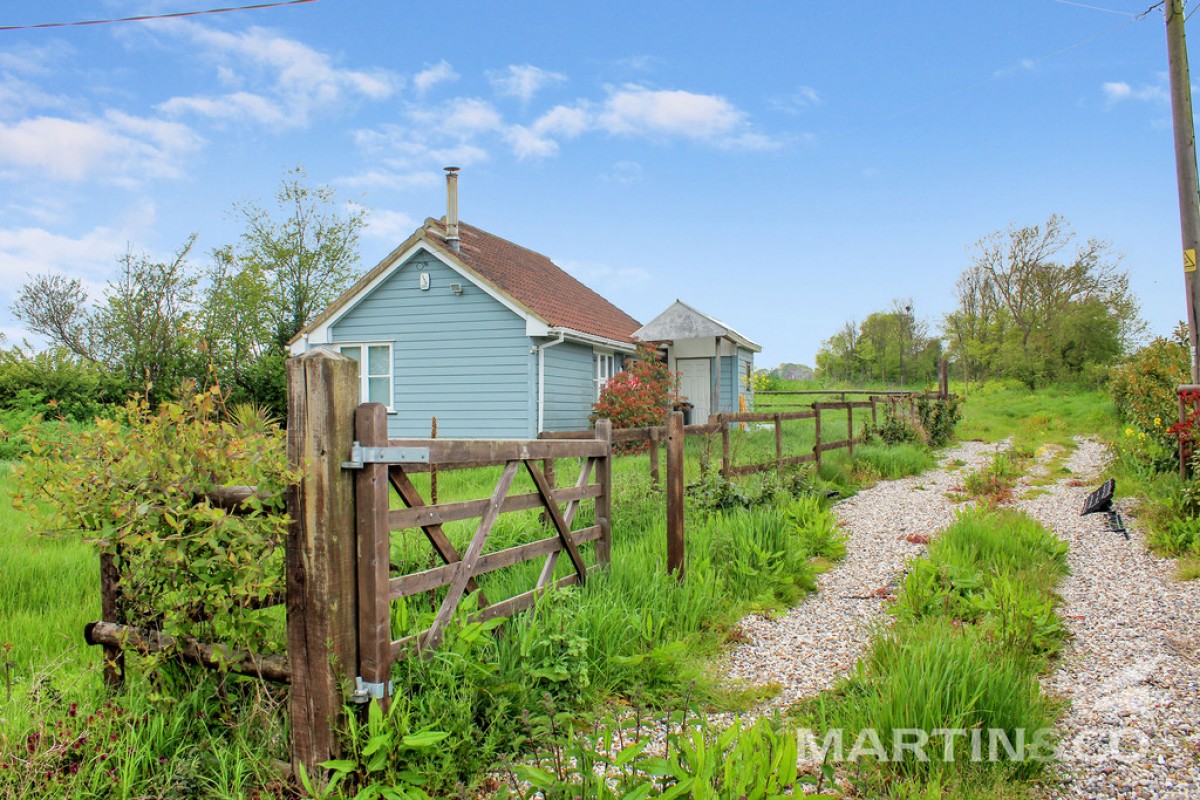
[(604, 367), (364, 376)]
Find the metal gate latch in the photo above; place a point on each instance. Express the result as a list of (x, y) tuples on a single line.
[(360, 455), (364, 691)]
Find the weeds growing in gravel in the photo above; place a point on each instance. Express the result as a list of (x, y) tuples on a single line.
[(976, 623)]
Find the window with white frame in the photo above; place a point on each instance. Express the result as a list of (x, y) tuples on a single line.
[(374, 371), (605, 368)]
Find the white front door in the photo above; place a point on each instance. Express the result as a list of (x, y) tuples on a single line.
[(695, 384)]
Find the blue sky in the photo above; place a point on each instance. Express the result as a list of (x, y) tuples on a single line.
[(785, 166)]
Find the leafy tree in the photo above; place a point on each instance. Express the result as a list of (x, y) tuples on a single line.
[(287, 266), (300, 258), (1037, 306), (892, 345), (142, 329)]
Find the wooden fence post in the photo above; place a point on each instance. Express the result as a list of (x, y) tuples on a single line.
[(850, 429), (675, 483), (943, 379), (874, 411), (604, 500), (724, 445), (371, 492), (817, 427), (110, 611), (655, 477), (321, 558), (778, 443)]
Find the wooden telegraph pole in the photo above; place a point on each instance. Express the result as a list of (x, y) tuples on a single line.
[(1185, 168)]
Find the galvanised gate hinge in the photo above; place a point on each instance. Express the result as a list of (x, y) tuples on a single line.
[(360, 455), (365, 691)]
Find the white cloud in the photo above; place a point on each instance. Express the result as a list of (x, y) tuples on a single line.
[(528, 144), (466, 116), (1120, 91), (118, 146), (638, 110), (626, 173), (394, 226), (296, 80), (635, 110), (32, 251), (805, 97), (565, 121), (32, 60), (429, 77), (523, 81), (234, 107), (18, 97), (1117, 90)]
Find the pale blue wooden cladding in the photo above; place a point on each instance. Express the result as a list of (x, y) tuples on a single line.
[(570, 387), (733, 381), (464, 358), (745, 380)]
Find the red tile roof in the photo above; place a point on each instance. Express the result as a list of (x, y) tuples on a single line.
[(536, 283)]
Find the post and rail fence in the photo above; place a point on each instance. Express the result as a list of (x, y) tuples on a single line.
[(340, 578)]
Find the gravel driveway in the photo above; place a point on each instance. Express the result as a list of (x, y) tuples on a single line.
[(1131, 672)]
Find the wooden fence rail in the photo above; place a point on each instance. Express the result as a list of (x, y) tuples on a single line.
[(722, 424)]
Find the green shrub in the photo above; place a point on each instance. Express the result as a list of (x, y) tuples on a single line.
[(1143, 390), (136, 487), (817, 528), (938, 417)]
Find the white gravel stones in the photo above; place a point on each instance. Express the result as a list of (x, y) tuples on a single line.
[(1131, 672), (809, 648)]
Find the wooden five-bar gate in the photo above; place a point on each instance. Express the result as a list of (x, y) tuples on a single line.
[(385, 464), (341, 580)]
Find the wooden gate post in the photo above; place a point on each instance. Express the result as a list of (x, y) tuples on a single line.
[(675, 540), (371, 492), (110, 611), (321, 550), (604, 500)]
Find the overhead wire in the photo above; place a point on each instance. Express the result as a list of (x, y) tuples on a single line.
[(149, 17)]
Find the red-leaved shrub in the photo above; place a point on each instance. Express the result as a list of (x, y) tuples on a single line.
[(640, 395)]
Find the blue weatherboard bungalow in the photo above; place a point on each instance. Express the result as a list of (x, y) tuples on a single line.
[(491, 338)]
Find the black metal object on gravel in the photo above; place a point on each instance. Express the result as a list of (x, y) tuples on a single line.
[(1101, 499)]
